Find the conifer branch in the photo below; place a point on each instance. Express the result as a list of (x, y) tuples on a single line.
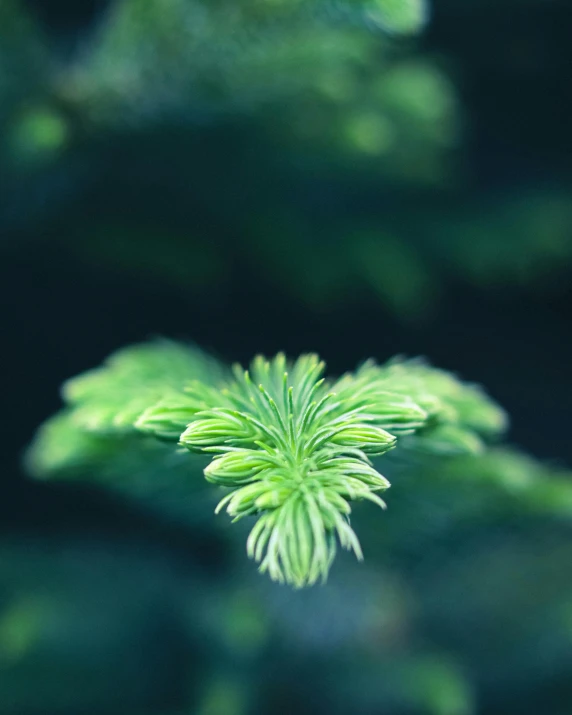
[(292, 448)]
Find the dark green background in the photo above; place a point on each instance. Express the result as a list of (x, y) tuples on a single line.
[(65, 310)]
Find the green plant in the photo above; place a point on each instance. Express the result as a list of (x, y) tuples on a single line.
[(293, 448)]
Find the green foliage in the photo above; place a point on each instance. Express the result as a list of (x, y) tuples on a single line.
[(293, 448), (112, 398), (457, 415), (292, 453), (399, 16), (335, 84), (163, 480), (220, 54), (515, 480)]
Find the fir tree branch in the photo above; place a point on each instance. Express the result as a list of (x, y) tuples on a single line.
[(293, 449)]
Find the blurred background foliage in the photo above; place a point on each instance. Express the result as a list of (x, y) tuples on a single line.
[(357, 177), (337, 122)]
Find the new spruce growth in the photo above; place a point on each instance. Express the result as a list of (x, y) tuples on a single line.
[(291, 448)]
